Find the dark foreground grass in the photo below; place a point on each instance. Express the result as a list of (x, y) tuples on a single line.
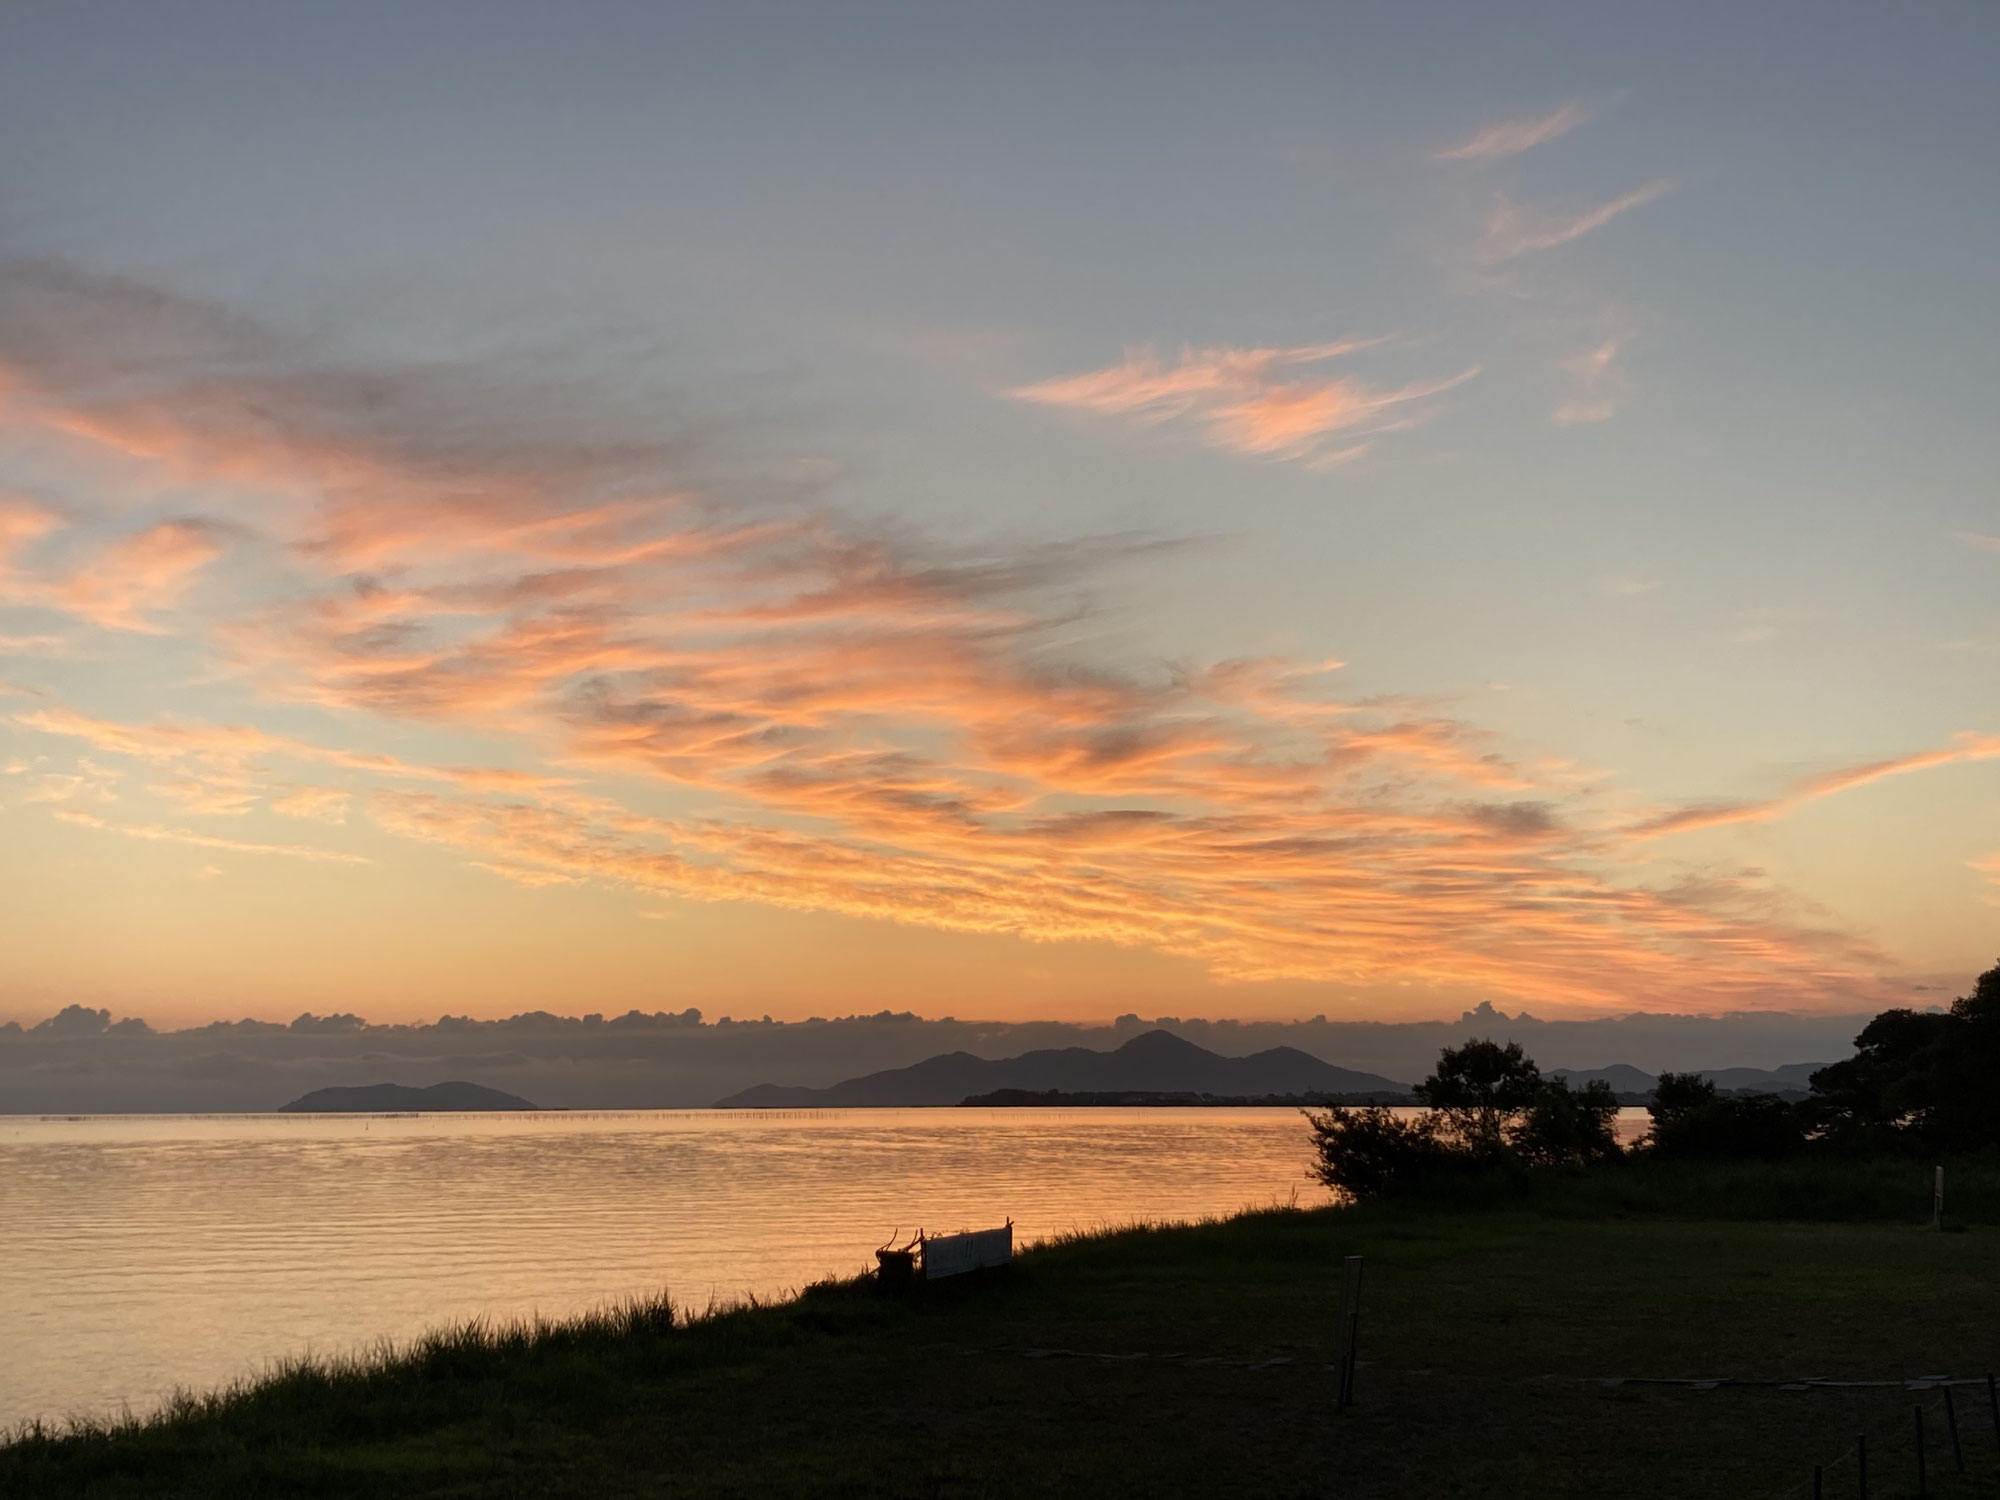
[(1183, 1361)]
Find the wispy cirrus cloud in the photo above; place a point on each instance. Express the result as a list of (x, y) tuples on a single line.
[(1503, 138), (1626, 585), (1258, 402), (150, 570), (1513, 230), (875, 725), (1967, 746), (1990, 868), (120, 585), (1979, 541), (1597, 381), (155, 833)]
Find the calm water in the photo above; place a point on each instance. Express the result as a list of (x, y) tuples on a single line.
[(137, 1253)]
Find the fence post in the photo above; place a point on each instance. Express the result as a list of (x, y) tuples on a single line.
[(1951, 1426), (1917, 1415), (1861, 1463), (1346, 1331), (1937, 1200), (1993, 1405), (1819, 1483)]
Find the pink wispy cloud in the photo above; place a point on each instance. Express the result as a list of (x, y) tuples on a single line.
[(1258, 402), (1504, 138), (147, 571), (1598, 384), (1512, 230), (117, 588), (1967, 746)]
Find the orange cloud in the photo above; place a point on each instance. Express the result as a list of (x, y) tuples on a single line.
[(1990, 868), (155, 833), (146, 571), (1512, 137), (1246, 401), (1969, 746), (22, 522), (321, 804), (874, 727)]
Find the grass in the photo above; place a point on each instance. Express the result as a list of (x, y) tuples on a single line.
[(1816, 1188), (1141, 1363)]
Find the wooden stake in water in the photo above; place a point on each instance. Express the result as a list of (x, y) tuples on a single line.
[(1346, 1329), (1917, 1414), (1819, 1483), (1993, 1405), (1937, 1200), (1951, 1426), (1861, 1463)]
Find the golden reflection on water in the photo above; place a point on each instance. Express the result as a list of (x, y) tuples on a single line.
[(138, 1253)]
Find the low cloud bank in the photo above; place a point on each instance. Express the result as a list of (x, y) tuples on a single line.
[(84, 1061)]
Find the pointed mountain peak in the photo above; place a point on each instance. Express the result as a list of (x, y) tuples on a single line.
[(1160, 1043)]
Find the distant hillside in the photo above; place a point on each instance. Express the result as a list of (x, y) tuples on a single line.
[(385, 1098), (1792, 1078), (1152, 1099), (1156, 1062)]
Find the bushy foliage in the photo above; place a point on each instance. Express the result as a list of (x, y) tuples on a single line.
[(1691, 1121), (1368, 1151), (1565, 1127), (1489, 1109), (1924, 1077)]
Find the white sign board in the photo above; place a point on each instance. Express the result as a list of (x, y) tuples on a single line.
[(955, 1254)]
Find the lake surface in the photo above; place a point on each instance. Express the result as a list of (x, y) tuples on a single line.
[(138, 1253)]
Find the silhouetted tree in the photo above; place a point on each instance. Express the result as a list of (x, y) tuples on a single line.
[(1478, 1088), (1565, 1127), (1922, 1076)]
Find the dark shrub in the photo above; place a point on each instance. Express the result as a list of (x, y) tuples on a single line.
[(1691, 1121), (1368, 1152)]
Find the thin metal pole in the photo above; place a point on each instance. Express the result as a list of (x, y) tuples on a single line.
[(1347, 1331), (1951, 1426), (1353, 1339)]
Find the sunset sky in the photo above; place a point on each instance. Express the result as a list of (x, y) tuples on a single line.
[(1007, 511)]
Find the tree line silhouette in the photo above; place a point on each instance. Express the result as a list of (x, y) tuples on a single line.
[(1918, 1082)]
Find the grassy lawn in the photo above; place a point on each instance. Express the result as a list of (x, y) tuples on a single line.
[(1486, 1340)]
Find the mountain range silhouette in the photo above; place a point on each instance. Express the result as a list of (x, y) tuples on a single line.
[(1154, 1062)]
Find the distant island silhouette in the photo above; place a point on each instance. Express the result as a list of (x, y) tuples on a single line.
[(399, 1098), (1154, 1063), (1170, 1099)]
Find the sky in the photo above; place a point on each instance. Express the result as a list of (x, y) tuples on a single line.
[(1026, 511)]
